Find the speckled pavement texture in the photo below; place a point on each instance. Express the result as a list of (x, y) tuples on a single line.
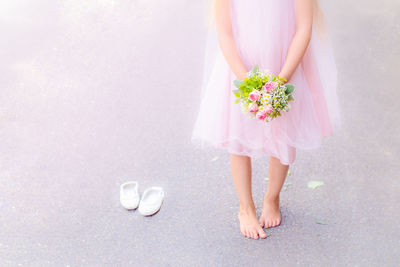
[(98, 92)]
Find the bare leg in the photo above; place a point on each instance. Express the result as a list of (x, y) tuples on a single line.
[(241, 173), (271, 215)]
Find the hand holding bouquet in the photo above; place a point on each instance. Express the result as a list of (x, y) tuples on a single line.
[(263, 95)]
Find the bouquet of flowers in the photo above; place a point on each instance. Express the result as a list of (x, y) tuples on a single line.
[(263, 95)]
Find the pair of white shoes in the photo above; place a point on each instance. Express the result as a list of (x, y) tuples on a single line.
[(148, 204)]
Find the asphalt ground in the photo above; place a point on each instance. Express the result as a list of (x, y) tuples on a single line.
[(95, 93)]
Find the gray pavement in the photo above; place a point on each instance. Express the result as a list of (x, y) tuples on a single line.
[(95, 93)]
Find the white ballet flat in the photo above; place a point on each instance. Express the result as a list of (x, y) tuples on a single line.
[(151, 200), (129, 195)]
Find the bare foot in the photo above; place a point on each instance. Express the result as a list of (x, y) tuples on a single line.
[(271, 215), (249, 225)]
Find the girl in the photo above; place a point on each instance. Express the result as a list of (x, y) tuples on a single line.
[(285, 37)]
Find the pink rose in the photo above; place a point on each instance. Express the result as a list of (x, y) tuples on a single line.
[(269, 86), (255, 95), (261, 115), (268, 109), (253, 107)]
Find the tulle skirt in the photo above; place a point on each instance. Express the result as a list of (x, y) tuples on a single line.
[(314, 113)]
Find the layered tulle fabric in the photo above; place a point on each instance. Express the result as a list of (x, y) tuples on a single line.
[(263, 31)]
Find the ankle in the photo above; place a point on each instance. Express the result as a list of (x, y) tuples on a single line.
[(246, 208), (271, 198)]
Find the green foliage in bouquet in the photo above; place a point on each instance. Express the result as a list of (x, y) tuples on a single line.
[(275, 100)]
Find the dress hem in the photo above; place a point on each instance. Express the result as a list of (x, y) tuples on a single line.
[(203, 143)]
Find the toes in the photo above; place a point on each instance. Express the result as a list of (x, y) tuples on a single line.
[(262, 233), (251, 234), (243, 232), (274, 223), (247, 233), (255, 235)]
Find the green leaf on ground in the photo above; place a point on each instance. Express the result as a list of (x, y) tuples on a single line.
[(320, 222), (289, 173), (214, 159), (314, 184)]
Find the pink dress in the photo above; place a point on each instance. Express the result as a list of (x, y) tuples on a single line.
[(263, 30)]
